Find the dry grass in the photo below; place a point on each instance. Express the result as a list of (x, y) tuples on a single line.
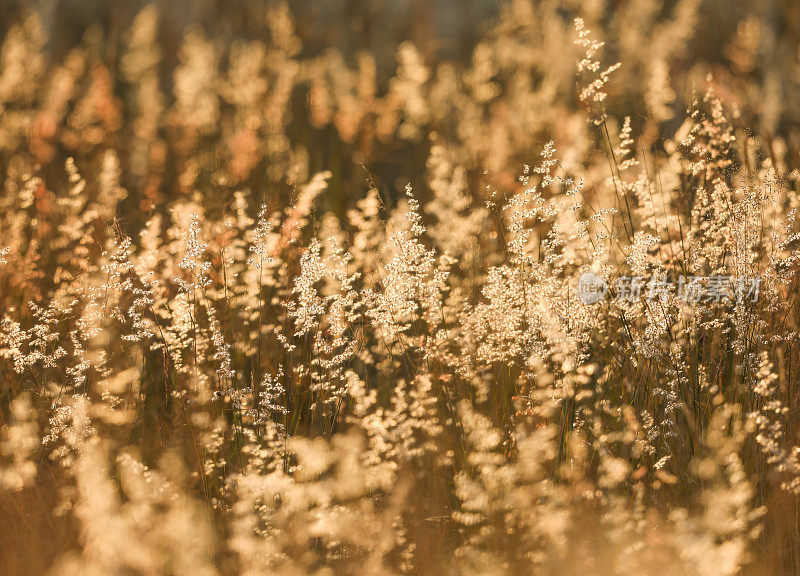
[(277, 310)]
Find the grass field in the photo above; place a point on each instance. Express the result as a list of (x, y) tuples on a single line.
[(400, 288)]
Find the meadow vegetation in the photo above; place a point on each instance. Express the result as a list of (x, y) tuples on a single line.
[(267, 309)]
